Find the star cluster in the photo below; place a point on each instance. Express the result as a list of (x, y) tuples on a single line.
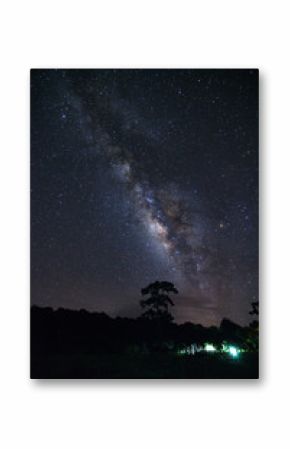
[(140, 175)]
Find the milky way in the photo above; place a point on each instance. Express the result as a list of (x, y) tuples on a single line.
[(138, 175), (163, 211)]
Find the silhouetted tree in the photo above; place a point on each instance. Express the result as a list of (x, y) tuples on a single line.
[(253, 332), (255, 308), (255, 311), (158, 302)]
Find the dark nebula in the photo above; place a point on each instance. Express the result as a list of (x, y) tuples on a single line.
[(139, 175)]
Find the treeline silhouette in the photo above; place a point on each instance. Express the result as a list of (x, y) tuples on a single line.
[(79, 344), (75, 344)]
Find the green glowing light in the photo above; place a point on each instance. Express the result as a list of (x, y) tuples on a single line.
[(233, 351)]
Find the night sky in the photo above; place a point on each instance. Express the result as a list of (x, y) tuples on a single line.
[(144, 175)]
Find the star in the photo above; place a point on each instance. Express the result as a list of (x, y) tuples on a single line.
[(145, 174)]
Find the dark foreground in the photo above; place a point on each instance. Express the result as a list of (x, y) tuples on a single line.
[(81, 345), (156, 366)]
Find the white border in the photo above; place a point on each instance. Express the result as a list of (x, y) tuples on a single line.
[(156, 33)]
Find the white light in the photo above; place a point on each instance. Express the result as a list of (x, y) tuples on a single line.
[(233, 351), (209, 347)]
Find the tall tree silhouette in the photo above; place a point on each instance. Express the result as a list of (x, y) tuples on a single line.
[(255, 308), (158, 302), (253, 338)]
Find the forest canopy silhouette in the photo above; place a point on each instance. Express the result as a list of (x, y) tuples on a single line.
[(65, 342)]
